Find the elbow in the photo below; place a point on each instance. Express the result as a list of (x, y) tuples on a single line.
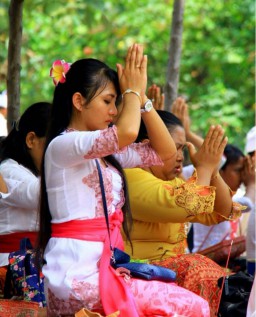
[(169, 155), (127, 138)]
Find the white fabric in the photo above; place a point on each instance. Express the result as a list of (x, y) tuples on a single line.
[(3, 125), (3, 99), (74, 193), (219, 231), (251, 308), (251, 237), (18, 208), (250, 145)]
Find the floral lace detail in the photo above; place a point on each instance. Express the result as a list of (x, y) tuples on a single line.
[(193, 198), (68, 307), (92, 181), (105, 144), (148, 155)]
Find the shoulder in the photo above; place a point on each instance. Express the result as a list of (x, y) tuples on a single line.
[(12, 169)]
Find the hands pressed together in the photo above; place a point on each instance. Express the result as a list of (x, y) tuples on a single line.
[(133, 75), (209, 154)]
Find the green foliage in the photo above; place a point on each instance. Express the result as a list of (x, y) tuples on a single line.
[(216, 73)]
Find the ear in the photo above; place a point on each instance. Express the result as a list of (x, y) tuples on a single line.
[(78, 101), (30, 139)]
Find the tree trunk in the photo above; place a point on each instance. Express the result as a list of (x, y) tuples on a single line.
[(173, 69), (14, 58)]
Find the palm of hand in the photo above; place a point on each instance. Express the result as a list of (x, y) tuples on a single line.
[(209, 154)]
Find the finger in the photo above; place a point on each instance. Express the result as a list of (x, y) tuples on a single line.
[(217, 138), (144, 63), (223, 144), (191, 149), (128, 57), (182, 110), (157, 95), (139, 55), (119, 68), (150, 92), (132, 61), (209, 135), (162, 102)]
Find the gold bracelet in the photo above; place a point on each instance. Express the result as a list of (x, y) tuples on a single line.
[(127, 91)]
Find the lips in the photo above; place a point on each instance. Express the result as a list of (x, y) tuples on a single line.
[(178, 169)]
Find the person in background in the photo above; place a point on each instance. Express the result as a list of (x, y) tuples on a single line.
[(162, 204), (3, 114), (234, 174), (73, 233), (249, 182), (231, 172), (20, 165)]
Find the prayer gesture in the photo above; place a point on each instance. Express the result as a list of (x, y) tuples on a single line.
[(180, 110), (209, 154), (154, 93), (248, 173), (134, 73)]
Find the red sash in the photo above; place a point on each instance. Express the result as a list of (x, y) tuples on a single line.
[(11, 242), (115, 293)]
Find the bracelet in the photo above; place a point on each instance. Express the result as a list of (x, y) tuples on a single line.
[(127, 91)]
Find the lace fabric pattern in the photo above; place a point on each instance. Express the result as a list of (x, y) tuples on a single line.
[(193, 198)]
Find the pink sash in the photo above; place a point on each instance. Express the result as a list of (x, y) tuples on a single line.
[(115, 293)]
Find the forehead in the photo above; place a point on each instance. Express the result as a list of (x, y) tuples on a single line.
[(178, 135)]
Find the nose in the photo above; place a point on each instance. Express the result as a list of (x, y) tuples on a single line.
[(113, 110), (180, 156)]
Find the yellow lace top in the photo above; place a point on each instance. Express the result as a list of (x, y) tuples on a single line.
[(162, 209)]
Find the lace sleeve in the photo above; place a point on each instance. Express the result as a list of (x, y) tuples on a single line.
[(236, 207), (195, 199)]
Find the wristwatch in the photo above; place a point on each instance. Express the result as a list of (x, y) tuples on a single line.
[(147, 106)]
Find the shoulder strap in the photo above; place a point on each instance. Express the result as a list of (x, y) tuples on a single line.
[(104, 201)]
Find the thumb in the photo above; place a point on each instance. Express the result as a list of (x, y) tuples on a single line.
[(191, 149), (119, 70)]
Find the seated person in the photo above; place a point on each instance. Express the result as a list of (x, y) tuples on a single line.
[(162, 204)]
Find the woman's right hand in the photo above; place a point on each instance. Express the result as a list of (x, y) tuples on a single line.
[(134, 73), (209, 154)]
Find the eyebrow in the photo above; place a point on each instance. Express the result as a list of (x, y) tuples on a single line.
[(111, 95)]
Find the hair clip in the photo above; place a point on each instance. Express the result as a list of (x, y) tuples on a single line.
[(58, 71)]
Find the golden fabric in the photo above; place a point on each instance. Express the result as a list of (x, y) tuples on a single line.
[(161, 209)]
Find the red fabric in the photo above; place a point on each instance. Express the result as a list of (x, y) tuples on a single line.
[(16, 308), (199, 275), (3, 271), (11, 242), (115, 293)]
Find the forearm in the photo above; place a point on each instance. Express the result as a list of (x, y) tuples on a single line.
[(159, 136), (203, 176), (128, 122), (195, 139), (223, 200)]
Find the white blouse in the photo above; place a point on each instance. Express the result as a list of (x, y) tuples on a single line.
[(19, 207)]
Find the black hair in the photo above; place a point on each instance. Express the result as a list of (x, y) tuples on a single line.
[(85, 76), (168, 118), (232, 154), (13, 146)]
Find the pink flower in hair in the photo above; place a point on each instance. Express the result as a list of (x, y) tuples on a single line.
[(58, 71)]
